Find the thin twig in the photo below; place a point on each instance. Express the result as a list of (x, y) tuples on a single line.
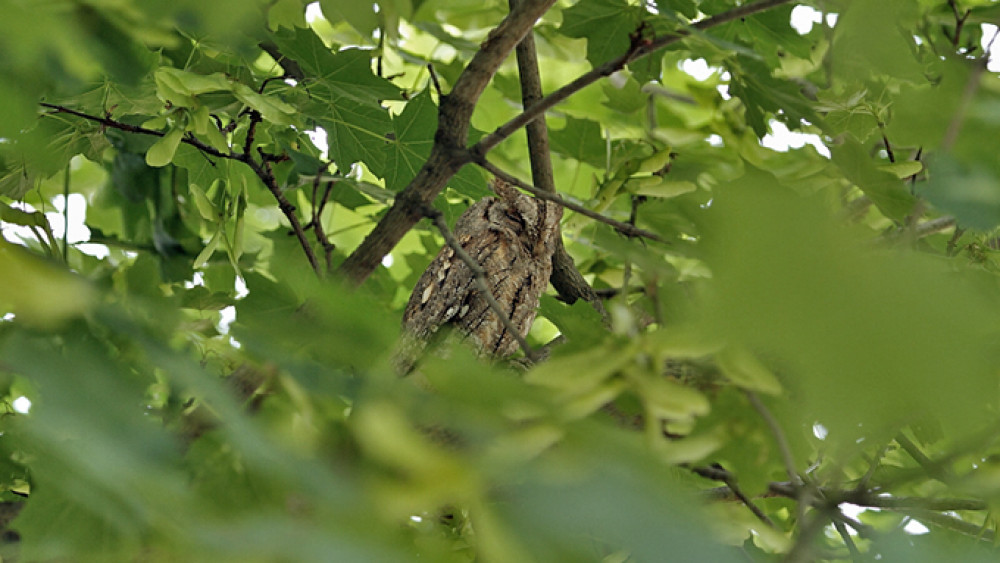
[(885, 142), (434, 79), (867, 477), (255, 119), (827, 496), (848, 541), (627, 268), (261, 169), (952, 247), (623, 228), (863, 530), (317, 211), (955, 524), (804, 495), (481, 282), (959, 22), (779, 435), (925, 229), (726, 477), (111, 123), (930, 467)]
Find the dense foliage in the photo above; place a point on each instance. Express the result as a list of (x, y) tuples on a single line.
[(788, 354)]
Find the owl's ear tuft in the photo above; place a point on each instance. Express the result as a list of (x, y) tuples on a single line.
[(507, 192)]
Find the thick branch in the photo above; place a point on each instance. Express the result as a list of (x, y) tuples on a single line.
[(448, 154), (567, 280)]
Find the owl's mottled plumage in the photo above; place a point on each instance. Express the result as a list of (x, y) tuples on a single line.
[(513, 238)]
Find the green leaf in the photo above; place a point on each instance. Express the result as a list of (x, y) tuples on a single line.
[(904, 169), (162, 151), (886, 190), (969, 192), (204, 205), (579, 322), (763, 93), (873, 39), (203, 299), (189, 82), (345, 74), (575, 374), (120, 55), (360, 15), (413, 136), (286, 13), (657, 186), (860, 333), (910, 123), (209, 249), (38, 291), (689, 8), (606, 24), (667, 399), (16, 216), (582, 140), (271, 108), (356, 132), (745, 370)]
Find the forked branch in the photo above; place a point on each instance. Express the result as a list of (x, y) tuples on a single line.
[(449, 152)]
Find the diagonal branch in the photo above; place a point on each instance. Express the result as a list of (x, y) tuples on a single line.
[(623, 228), (449, 152), (718, 473), (113, 124), (481, 283), (779, 436)]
